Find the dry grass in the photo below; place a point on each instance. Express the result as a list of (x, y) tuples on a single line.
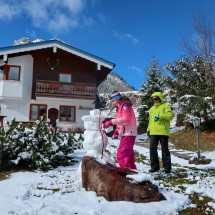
[(187, 140), (4, 175)]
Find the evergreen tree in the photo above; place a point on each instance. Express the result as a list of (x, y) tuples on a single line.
[(193, 88), (156, 80)]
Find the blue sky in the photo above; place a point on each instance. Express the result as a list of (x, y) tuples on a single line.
[(125, 32)]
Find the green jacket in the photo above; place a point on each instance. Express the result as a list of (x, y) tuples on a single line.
[(162, 126)]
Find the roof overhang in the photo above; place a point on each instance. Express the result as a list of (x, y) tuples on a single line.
[(56, 44)]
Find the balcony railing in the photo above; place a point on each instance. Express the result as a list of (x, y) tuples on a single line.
[(58, 89)]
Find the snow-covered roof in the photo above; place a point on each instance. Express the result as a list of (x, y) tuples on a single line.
[(54, 43)]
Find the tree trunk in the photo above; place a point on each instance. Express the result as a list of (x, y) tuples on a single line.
[(111, 183)]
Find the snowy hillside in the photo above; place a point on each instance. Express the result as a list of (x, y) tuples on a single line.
[(114, 82)]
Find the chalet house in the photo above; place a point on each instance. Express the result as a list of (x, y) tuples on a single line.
[(49, 78)]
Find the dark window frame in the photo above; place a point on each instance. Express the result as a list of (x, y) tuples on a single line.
[(67, 113), (6, 69), (38, 112)]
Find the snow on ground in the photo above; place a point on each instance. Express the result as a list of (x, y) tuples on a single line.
[(60, 192)]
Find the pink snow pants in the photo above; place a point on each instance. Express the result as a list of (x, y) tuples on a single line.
[(125, 152)]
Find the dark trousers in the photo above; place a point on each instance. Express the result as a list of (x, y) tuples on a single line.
[(166, 158)]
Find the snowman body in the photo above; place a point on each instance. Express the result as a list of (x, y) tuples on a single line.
[(95, 140)]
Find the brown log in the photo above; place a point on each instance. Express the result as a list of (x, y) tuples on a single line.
[(111, 183)]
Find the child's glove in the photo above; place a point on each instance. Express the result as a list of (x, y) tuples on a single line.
[(156, 118), (115, 134), (107, 124), (148, 133)]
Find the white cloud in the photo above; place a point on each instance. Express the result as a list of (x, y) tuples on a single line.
[(87, 21), (125, 36), (53, 15), (132, 38), (136, 70), (37, 11), (8, 10), (60, 22), (75, 6), (102, 17), (32, 34)]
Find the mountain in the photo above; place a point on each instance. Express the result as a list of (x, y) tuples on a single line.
[(114, 82), (25, 40), (134, 95)]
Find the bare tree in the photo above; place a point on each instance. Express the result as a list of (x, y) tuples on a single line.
[(203, 44), (203, 40)]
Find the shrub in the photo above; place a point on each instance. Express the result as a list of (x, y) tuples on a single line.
[(37, 145), (180, 119), (208, 125)]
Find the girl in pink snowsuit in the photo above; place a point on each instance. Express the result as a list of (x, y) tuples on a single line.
[(126, 128)]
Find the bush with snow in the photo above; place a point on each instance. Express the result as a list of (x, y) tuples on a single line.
[(38, 145)]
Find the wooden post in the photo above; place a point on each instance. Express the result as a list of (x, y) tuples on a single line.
[(1, 120)]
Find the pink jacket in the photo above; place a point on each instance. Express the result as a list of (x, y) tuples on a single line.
[(125, 120)]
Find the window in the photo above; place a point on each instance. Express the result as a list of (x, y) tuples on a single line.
[(67, 113), (1, 73), (37, 111), (65, 78), (9, 72)]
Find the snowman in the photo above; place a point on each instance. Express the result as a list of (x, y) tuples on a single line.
[(95, 138)]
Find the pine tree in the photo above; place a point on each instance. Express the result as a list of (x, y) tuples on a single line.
[(192, 85), (155, 81)]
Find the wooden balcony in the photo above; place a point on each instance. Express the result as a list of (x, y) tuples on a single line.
[(71, 90)]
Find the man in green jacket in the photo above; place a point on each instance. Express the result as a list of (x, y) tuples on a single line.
[(160, 115)]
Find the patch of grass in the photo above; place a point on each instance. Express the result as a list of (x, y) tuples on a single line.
[(52, 189), (178, 178), (6, 171), (212, 171), (4, 175), (187, 140), (175, 181), (140, 158), (202, 206), (178, 181)]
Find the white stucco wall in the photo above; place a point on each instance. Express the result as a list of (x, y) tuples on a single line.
[(55, 103), (18, 90), (20, 111), (17, 93), (17, 102)]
